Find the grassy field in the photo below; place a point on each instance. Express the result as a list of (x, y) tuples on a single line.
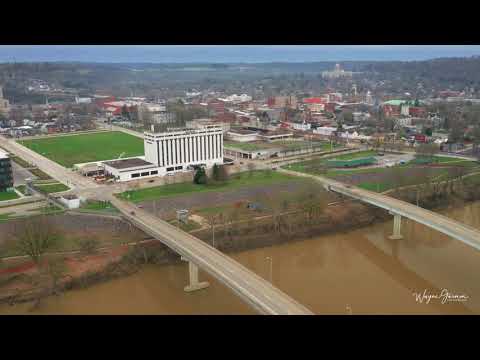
[(22, 189), (7, 195), (40, 174), (258, 177), (21, 162), (6, 216), (75, 149), (100, 206), (53, 188)]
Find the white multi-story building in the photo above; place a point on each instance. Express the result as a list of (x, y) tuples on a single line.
[(171, 152), (179, 150)]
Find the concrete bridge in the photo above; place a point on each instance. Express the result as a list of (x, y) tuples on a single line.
[(399, 208), (254, 290)]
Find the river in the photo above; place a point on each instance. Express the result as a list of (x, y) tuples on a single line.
[(354, 272)]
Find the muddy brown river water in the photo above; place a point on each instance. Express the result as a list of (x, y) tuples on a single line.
[(356, 272)]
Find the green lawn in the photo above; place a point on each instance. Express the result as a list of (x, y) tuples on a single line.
[(258, 177), (75, 149), (21, 162), (52, 188), (6, 216), (40, 174), (22, 189), (100, 206), (8, 195)]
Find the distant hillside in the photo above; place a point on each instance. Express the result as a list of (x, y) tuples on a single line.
[(270, 78)]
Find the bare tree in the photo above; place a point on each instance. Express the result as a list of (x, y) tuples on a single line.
[(35, 236), (212, 219), (426, 150)]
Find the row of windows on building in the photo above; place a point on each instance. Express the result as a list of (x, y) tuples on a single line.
[(191, 149), (145, 173)]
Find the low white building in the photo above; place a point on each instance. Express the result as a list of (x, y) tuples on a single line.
[(130, 169), (406, 121), (302, 126), (83, 100), (70, 201), (200, 123), (237, 98), (325, 130), (242, 135), (354, 136)]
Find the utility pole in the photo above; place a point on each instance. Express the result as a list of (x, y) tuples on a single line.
[(271, 268)]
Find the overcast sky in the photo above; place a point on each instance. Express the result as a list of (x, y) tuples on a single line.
[(229, 53)]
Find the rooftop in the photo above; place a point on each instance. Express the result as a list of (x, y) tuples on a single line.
[(242, 131), (314, 100), (127, 163)]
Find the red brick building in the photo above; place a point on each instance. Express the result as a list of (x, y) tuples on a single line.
[(226, 117), (391, 110), (330, 107), (217, 107), (417, 112)]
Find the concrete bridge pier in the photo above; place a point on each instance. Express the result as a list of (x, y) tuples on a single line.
[(193, 278), (397, 225)]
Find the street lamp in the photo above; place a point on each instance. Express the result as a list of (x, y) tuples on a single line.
[(271, 268)]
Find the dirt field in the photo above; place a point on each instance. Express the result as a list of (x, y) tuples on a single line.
[(166, 207)]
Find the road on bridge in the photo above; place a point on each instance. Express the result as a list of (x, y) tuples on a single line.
[(455, 229), (253, 289)]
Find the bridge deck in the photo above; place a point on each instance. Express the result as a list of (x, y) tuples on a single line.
[(253, 289)]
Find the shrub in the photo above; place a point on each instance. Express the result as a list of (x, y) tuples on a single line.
[(200, 177), (88, 245)]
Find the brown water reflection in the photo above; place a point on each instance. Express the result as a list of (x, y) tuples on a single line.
[(359, 272)]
